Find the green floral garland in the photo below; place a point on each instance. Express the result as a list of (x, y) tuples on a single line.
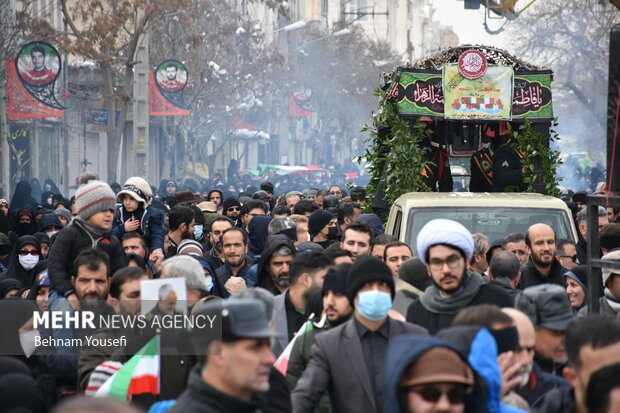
[(540, 162), (396, 158), (394, 154)]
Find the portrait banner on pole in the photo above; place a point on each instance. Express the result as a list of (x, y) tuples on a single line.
[(488, 97), (21, 104), (159, 105)]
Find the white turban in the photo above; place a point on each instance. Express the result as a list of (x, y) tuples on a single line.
[(444, 231)]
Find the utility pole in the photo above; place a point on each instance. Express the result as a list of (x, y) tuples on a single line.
[(5, 157), (141, 165)]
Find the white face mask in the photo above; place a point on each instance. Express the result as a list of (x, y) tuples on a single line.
[(50, 233), (28, 261), (27, 340)]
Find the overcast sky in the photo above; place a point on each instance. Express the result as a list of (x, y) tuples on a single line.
[(467, 24)]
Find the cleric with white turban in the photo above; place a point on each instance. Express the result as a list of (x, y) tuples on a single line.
[(444, 231)]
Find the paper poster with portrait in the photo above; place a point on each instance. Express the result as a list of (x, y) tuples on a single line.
[(171, 76), (38, 64), (164, 296)]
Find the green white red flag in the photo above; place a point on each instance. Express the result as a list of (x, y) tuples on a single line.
[(140, 374)]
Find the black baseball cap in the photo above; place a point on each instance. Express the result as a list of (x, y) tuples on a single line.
[(236, 319)]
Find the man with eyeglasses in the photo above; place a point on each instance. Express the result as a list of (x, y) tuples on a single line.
[(566, 253), (427, 375), (335, 191), (445, 247)]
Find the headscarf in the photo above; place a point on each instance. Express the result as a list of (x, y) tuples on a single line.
[(44, 199), (35, 186), (24, 228), (16, 271), (52, 186), (7, 285), (22, 197)]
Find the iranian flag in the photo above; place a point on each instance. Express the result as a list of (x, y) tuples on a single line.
[(139, 375), (281, 363)]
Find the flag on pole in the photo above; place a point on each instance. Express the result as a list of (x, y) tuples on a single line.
[(139, 375), (281, 363)]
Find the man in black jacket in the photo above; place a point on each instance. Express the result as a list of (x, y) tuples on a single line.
[(445, 247), (542, 266), (236, 366), (505, 272), (232, 276), (348, 360)]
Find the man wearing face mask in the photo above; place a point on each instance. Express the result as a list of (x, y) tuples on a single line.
[(199, 225), (26, 255), (322, 228), (348, 360)]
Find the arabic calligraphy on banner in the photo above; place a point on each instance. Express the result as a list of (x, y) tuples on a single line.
[(420, 93), (488, 97), (532, 96)]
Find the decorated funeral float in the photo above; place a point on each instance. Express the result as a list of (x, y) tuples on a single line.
[(467, 118)]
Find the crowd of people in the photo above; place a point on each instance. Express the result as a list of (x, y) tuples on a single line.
[(320, 309)]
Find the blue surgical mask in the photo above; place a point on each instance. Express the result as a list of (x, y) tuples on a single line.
[(374, 304), (197, 231), (209, 281)]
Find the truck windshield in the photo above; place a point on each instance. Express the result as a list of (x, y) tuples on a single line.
[(494, 222)]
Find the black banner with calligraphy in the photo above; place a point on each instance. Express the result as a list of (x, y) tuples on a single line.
[(532, 95), (21, 135), (420, 93)]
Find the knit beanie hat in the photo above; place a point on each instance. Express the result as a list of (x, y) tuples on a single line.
[(335, 281), (368, 269), (138, 189), (317, 221), (579, 273), (444, 231), (228, 202), (95, 196), (63, 212)]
